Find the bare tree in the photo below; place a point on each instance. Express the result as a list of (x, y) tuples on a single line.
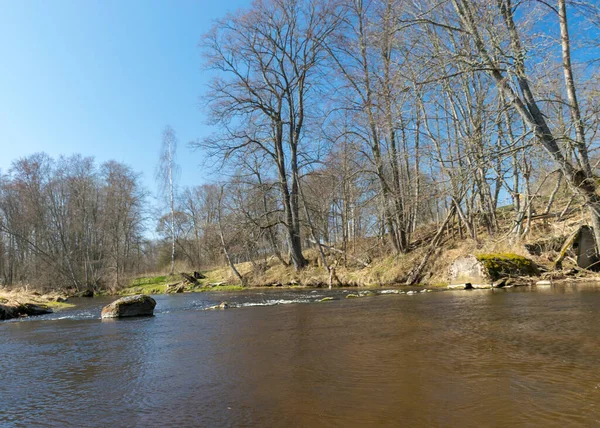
[(267, 60), (166, 174)]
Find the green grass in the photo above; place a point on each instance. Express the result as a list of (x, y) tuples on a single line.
[(150, 280), (58, 305), (158, 285), (148, 285)]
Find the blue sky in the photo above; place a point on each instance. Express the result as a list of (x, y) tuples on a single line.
[(103, 78)]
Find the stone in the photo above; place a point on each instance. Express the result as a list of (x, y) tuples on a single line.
[(222, 305), (481, 271), (352, 296), (544, 282), (468, 270), (131, 306), (327, 299), (585, 248)]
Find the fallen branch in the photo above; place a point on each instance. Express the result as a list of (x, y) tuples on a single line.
[(415, 275), (563, 251)]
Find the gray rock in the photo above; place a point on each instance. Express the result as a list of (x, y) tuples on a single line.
[(468, 270), (131, 306), (222, 305)]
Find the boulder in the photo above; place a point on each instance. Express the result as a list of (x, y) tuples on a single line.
[(131, 306), (483, 270), (222, 305)]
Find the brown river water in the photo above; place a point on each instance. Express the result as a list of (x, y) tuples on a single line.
[(523, 357)]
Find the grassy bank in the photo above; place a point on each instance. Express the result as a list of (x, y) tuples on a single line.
[(25, 297), (371, 262)]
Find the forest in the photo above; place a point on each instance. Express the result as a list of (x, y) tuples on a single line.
[(340, 127)]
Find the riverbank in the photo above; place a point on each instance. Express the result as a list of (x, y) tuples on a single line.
[(22, 303), (372, 263)]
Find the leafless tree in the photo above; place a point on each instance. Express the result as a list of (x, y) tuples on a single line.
[(166, 175)]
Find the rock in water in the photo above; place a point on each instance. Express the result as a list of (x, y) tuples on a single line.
[(131, 306)]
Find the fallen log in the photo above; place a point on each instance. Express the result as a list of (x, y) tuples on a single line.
[(415, 275), (189, 278)]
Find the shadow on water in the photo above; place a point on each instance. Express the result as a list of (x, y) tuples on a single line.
[(469, 358)]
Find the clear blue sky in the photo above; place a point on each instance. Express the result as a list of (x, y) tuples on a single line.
[(103, 77)]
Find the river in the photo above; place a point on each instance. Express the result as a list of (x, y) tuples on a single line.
[(478, 358)]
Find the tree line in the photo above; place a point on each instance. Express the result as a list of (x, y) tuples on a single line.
[(69, 223), (340, 122), (353, 119)]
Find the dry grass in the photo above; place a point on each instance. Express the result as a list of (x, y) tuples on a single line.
[(20, 295), (386, 268)]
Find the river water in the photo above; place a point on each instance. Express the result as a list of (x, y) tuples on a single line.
[(480, 358)]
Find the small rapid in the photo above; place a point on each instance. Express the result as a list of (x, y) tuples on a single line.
[(87, 309)]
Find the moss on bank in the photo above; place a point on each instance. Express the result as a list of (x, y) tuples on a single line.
[(500, 265)]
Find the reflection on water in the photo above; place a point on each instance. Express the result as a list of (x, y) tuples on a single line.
[(518, 357)]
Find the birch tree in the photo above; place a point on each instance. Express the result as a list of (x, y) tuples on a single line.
[(166, 174)]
